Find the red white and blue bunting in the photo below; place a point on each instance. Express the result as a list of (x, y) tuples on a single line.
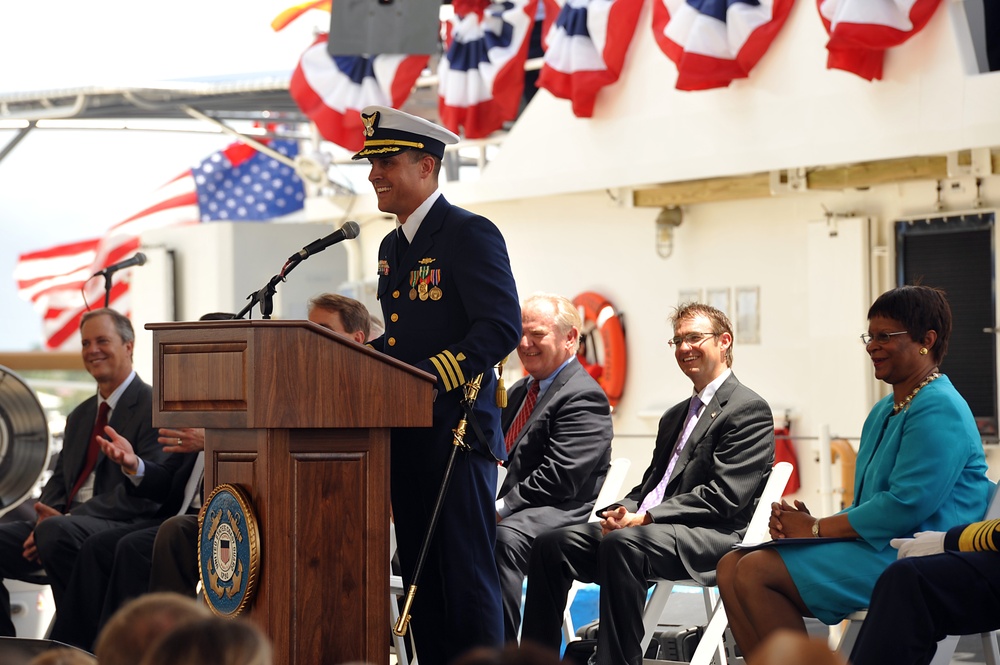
[(585, 48), (481, 76), (713, 42), (332, 90), (861, 30)]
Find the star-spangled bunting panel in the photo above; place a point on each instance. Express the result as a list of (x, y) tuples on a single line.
[(481, 75), (235, 184), (585, 48), (713, 42), (862, 30), (332, 90)]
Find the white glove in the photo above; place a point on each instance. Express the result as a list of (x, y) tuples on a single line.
[(923, 543)]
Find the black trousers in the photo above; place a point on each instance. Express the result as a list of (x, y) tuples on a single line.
[(511, 552), (112, 567), (175, 556), (58, 540), (457, 606), (622, 563), (919, 600)]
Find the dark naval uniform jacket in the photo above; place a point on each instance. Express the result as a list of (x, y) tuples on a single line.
[(451, 309), (469, 318)]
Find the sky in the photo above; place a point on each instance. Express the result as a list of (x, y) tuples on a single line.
[(59, 186)]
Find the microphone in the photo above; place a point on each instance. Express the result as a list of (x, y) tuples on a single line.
[(346, 232), (137, 260)]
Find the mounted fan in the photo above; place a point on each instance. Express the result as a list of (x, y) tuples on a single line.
[(24, 440)]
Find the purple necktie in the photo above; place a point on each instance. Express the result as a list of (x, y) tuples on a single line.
[(655, 497)]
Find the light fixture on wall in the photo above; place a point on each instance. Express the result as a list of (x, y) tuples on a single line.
[(670, 217)]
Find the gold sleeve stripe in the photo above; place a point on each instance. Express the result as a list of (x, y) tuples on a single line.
[(449, 367), (446, 377), (980, 537), (454, 362)]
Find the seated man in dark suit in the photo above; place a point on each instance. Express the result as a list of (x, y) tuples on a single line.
[(712, 458), (558, 431), (87, 493)]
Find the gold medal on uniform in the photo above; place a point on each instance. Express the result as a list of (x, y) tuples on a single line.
[(413, 284), (435, 292), (422, 287)]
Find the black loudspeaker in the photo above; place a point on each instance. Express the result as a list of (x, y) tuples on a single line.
[(20, 651), (373, 27)]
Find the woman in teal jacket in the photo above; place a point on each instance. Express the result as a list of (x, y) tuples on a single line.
[(920, 467)]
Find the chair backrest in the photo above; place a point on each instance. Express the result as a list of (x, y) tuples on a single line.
[(612, 485), (757, 531)]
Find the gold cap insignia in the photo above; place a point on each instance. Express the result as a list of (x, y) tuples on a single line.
[(369, 121)]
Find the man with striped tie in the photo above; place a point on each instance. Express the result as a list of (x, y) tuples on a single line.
[(558, 431), (713, 454)]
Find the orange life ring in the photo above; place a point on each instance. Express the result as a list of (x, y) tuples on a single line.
[(603, 356)]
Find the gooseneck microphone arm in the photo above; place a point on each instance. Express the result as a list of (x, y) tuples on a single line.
[(265, 295), (138, 259)]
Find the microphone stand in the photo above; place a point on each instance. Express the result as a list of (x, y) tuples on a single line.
[(265, 295), (107, 287)]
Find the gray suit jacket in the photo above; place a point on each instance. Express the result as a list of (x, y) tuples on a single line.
[(720, 475), (133, 419), (561, 456)]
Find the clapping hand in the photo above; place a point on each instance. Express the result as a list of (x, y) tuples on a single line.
[(119, 450)]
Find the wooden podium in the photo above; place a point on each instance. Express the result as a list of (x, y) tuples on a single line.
[(299, 417)]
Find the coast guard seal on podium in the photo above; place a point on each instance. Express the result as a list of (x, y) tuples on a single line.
[(228, 551)]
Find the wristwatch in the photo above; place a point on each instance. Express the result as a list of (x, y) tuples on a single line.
[(815, 529)]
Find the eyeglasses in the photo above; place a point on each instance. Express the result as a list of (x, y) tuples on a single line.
[(692, 339), (881, 337)]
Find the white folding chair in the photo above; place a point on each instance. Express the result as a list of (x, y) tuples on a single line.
[(397, 591), (608, 494), (946, 647), (712, 643)]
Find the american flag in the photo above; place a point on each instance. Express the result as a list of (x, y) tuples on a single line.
[(332, 90), (234, 184), (481, 76), (713, 43), (862, 30)]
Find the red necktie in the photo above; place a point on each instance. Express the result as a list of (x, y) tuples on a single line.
[(92, 450), (522, 415)]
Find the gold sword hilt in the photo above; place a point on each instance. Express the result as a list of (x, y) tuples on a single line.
[(403, 622)]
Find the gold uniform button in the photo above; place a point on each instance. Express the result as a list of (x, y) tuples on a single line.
[(392, 341), (394, 318), (395, 294)]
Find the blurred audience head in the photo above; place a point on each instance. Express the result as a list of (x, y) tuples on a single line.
[(528, 653), (63, 656), (211, 641), (140, 624)]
